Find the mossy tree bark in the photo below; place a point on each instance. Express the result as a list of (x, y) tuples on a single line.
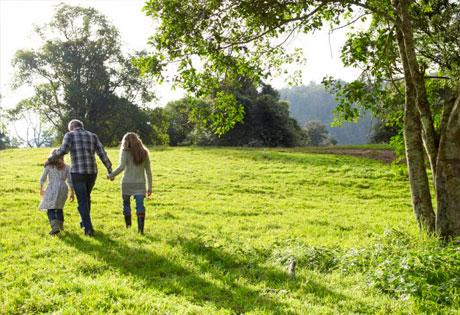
[(418, 179), (443, 151), (447, 180)]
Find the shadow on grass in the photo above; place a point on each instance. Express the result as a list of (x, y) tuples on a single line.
[(164, 274), (229, 279), (223, 265)]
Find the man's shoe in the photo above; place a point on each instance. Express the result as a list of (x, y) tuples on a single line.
[(89, 233), (128, 220)]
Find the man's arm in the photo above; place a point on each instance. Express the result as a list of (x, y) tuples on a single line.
[(103, 155), (63, 150), (69, 182)]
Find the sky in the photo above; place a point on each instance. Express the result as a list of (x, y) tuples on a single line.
[(17, 18)]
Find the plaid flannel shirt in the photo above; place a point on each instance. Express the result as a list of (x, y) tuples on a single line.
[(82, 145)]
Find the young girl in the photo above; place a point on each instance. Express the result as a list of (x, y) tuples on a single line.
[(55, 195), (135, 161)]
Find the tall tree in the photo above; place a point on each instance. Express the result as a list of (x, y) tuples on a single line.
[(266, 121), (217, 39), (80, 72)]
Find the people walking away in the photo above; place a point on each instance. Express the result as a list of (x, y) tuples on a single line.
[(56, 192), (135, 162), (82, 146)]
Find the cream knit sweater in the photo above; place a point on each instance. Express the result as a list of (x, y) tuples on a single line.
[(133, 181)]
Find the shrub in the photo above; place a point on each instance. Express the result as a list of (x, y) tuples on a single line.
[(425, 269), (428, 270)]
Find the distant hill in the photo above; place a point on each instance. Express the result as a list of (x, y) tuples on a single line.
[(313, 102)]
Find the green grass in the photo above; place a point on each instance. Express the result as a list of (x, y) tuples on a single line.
[(221, 226)]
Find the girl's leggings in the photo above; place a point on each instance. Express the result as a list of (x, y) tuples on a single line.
[(56, 214)]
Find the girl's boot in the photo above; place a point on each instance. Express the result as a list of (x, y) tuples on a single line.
[(54, 227), (140, 223), (128, 220)]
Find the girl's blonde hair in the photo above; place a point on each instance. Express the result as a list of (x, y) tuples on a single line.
[(132, 143), (59, 164)]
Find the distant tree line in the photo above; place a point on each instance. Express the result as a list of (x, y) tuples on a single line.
[(314, 103), (266, 121)]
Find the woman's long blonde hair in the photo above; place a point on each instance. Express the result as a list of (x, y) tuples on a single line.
[(59, 164), (132, 143)]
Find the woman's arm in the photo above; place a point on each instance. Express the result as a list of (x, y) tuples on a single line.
[(121, 167), (148, 171)]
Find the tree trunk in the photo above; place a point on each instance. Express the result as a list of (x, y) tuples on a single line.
[(443, 153), (447, 180), (418, 179), (429, 136)]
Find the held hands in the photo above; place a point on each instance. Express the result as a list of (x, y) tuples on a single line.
[(111, 178)]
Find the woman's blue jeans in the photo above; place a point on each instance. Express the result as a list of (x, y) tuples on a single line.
[(140, 209)]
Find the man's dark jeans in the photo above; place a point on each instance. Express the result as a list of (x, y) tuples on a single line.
[(83, 184)]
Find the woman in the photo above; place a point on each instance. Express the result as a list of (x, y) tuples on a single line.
[(135, 162)]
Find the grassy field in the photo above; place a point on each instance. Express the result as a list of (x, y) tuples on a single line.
[(221, 228)]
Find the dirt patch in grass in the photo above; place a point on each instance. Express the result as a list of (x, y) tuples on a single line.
[(386, 156)]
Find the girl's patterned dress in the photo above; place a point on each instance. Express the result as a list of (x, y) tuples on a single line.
[(56, 192)]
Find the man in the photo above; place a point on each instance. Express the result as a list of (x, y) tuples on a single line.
[(82, 145)]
